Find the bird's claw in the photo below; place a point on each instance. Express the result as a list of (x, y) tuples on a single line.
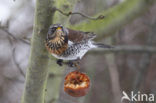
[(74, 64), (71, 64), (59, 62)]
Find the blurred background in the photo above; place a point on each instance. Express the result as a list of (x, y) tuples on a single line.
[(110, 73)]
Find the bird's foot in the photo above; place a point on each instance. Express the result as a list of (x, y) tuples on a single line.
[(74, 63), (71, 63), (59, 62)]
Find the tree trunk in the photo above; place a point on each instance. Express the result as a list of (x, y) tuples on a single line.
[(37, 72)]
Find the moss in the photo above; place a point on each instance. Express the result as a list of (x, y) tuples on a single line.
[(116, 17), (65, 6)]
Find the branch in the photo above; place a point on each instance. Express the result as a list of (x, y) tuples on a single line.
[(83, 15), (24, 40), (121, 49), (17, 65), (37, 72), (128, 49), (116, 17)]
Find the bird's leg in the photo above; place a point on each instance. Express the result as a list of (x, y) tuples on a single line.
[(74, 63), (70, 63), (59, 62), (77, 65), (78, 60)]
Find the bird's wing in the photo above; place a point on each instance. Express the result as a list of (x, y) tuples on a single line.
[(78, 36)]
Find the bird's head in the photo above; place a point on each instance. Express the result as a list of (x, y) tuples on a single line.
[(56, 30)]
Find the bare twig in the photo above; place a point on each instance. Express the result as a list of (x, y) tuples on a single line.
[(127, 49), (116, 17), (24, 40), (17, 65), (83, 15), (15, 80)]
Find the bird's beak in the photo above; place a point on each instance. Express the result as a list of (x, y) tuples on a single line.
[(59, 28), (59, 31)]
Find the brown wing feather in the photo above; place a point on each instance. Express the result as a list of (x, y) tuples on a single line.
[(78, 36)]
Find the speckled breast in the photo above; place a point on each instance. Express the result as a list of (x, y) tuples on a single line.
[(57, 46)]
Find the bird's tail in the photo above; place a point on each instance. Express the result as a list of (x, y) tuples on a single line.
[(100, 45)]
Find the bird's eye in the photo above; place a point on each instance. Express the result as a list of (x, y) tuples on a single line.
[(53, 29)]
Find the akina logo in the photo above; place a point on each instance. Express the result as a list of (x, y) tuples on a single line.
[(138, 97)]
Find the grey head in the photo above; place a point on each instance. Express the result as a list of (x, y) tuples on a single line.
[(55, 28)]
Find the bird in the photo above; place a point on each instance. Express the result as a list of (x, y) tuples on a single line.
[(70, 45)]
